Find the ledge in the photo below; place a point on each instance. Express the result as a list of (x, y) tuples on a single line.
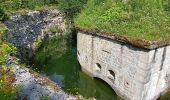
[(140, 43)]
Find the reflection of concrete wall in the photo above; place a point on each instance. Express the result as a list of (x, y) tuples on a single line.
[(134, 73)]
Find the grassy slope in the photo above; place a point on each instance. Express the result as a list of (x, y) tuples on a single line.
[(146, 19)]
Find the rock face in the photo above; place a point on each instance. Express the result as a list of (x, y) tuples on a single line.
[(36, 87), (25, 30), (134, 73)]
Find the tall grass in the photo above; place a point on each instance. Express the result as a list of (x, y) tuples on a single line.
[(146, 19)]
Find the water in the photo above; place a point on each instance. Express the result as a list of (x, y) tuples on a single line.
[(57, 59)]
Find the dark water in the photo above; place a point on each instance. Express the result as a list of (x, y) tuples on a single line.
[(57, 59)]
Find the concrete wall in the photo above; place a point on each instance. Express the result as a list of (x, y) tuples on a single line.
[(134, 73)]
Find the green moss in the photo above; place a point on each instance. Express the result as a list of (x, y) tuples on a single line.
[(149, 20)]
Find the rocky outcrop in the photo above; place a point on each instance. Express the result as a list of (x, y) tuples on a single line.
[(134, 73), (25, 30), (33, 86)]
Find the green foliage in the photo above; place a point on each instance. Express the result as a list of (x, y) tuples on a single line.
[(7, 91), (55, 30), (5, 48), (71, 7), (2, 30), (44, 98), (3, 15), (14, 5), (147, 19)]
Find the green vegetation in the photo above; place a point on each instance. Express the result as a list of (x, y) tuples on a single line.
[(55, 30), (5, 48), (7, 91), (13, 5), (3, 15), (71, 7), (143, 19), (146, 19), (9, 6), (44, 98)]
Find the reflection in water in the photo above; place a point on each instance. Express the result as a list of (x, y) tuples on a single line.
[(166, 96), (57, 60)]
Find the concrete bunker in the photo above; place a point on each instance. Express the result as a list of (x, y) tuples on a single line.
[(128, 69)]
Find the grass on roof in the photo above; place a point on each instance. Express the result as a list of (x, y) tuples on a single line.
[(144, 19)]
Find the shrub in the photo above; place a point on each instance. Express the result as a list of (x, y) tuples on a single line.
[(55, 30), (5, 48), (7, 91), (71, 7), (3, 15)]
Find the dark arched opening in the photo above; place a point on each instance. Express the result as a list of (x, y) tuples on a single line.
[(98, 67), (107, 88), (111, 75)]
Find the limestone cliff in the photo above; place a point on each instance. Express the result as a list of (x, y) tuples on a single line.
[(26, 29)]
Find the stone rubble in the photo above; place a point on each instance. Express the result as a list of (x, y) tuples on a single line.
[(34, 87), (25, 30)]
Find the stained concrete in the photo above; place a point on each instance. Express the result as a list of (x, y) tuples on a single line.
[(134, 73)]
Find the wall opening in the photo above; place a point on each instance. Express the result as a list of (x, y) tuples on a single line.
[(98, 67), (111, 75), (78, 53), (127, 84)]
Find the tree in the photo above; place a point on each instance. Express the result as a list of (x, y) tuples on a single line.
[(71, 7), (3, 16)]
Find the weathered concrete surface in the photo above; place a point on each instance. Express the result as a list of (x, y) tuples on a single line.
[(134, 73), (34, 86)]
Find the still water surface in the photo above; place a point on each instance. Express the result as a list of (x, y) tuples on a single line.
[(57, 59)]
